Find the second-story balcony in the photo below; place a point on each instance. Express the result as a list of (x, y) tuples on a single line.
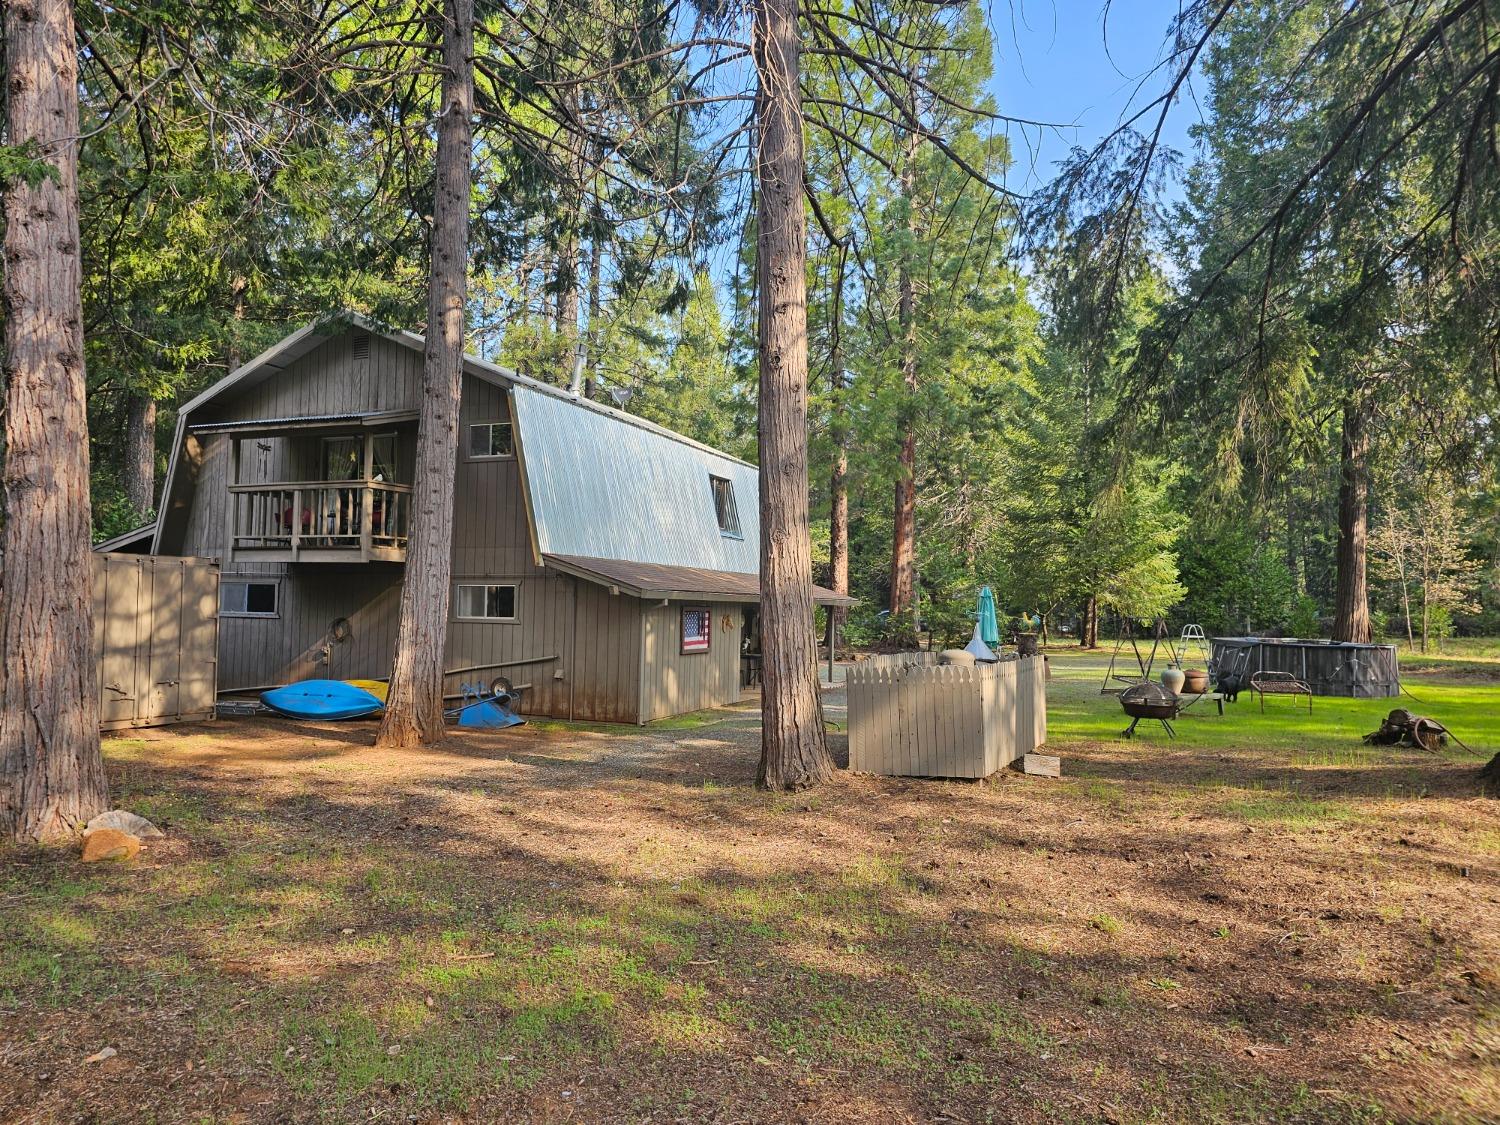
[(319, 521)]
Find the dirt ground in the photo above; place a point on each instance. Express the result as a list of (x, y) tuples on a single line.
[(561, 924)]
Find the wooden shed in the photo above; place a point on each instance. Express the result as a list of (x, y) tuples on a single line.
[(156, 639)]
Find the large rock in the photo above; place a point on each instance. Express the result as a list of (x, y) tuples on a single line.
[(109, 843), (125, 821)]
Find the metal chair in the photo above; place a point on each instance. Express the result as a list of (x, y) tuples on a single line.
[(1279, 683)]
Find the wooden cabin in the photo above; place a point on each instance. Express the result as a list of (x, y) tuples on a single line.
[(606, 563)]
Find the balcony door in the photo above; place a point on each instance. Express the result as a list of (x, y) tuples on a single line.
[(344, 458)]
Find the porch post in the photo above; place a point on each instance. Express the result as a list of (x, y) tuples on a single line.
[(367, 499), (296, 522), (233, 518)]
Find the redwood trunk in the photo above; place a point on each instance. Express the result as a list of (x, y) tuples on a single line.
[(51, 771), (794, 748), (414, 708), (140, 453), (1351, 589)]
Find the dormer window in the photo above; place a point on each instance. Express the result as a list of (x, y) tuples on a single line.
[(725, 509)]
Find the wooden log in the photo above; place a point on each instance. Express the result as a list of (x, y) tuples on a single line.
[(1041, 765)]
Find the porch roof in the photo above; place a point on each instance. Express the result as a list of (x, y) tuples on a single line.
[(652, 580), (305, 422)]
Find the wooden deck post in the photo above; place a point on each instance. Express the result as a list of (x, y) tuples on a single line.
[(234, 497), (367, 501), (296, 522)]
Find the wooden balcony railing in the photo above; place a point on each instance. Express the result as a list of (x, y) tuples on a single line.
[(319, 521)]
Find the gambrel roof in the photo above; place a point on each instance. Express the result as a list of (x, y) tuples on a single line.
[(600, 484)]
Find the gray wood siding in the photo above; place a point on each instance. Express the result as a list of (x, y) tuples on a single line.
[(328, 380), (262, 651), (543, 628), (607, 673), (675, 682), (490, 533)]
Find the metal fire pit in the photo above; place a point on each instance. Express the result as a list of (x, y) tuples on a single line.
[(1149, 701)]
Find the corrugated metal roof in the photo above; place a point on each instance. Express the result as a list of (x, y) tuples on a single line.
[(305, 421), (603, 490), (650, 580)]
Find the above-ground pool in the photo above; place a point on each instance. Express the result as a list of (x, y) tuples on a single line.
[(1328, 667)]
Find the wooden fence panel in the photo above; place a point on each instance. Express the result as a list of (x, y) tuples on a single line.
[(909, 716)]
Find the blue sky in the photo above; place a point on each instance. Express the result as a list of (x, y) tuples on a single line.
[(1052, 64)]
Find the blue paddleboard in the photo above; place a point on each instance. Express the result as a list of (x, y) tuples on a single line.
[(321, 699)]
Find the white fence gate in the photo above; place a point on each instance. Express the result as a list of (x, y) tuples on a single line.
[(911, 717)]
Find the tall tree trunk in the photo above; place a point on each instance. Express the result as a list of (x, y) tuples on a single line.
[(904, 518), (140, 453), (1351, 620), (1411, 642), (1426, 558), (794, 748), (233, 356), (593, 341), (414, 707), (51, 771), (1088, 633), (566, 321)]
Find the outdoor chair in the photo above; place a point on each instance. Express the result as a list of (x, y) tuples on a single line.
[(1279, 683)]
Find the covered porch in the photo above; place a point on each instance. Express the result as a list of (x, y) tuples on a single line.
[(318, 489)]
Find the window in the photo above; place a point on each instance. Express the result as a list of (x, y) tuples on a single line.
[(481, 602), (697, 628), (247, 599), (725, 509), (341, 458), (385, 458), (490, 439)]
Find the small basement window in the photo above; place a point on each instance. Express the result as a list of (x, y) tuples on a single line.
[(486, 602), (490, 439), (725, 509), (247, 599)]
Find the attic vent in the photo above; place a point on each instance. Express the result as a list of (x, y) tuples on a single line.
[(361, 345)]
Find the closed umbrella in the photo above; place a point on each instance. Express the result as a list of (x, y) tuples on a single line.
[(989, 628)]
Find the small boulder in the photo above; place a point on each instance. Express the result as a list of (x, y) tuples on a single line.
[(125, 821), (110, 843)]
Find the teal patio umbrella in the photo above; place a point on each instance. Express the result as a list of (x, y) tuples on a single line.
[(989, 628)]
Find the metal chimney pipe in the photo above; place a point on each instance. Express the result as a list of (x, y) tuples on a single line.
[(575, 384)]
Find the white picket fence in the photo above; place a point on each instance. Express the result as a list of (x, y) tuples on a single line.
[(911, 717)]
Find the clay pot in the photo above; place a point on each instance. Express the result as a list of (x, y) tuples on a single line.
[(1195, 681), (1171, 679)]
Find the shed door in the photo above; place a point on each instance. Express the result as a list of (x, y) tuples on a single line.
[(166, 639), (122, 614)]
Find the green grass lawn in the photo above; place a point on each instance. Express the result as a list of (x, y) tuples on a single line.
[(1470, 707)]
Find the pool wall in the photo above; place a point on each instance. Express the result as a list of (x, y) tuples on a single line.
[(1350, 670)]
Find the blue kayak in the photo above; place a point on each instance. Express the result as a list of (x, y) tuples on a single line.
[(322, 699)]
